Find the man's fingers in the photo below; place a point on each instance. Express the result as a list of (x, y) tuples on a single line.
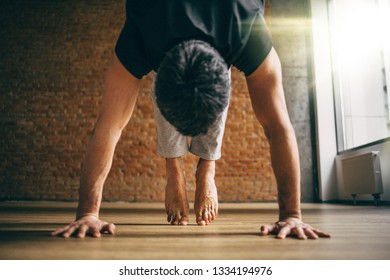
[(95, 232), (267, 229), (310, 233), (284, 231), (292, 227), (70, 231), (90, 226), (321, 233), (298, 231), (82, 231), (110, 228), (60, 230)]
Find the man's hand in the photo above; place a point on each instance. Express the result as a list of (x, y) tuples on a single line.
[(292, 227), (86, 225)]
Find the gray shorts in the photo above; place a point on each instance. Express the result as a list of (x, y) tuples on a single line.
[(172, 144)]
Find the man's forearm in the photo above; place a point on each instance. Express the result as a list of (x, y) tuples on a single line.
[(90, 197), (285, 162), (94, 172)]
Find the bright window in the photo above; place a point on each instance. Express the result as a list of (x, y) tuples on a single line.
[(360, 50)]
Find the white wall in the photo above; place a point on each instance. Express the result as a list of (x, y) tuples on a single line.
[(324, 102)]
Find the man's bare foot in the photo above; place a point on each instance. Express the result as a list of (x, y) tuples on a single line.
[(176, 202), (206, 195)]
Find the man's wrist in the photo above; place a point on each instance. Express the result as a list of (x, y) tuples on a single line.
[(286, 215), (87, 208), (83, 215)]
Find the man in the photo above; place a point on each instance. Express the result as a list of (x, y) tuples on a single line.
[(191, 45)]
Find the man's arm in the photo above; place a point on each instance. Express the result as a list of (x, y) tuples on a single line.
[(268, 102), (121, 91)]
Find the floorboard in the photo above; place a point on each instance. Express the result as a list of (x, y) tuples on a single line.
[(358, 232)]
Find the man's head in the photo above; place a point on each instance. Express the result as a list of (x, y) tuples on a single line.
[(192, 87)]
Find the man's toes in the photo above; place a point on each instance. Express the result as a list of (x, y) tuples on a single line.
[(206, 216), (173, 219), (177, 218), (212, 216), (170, 217), (200, 221), (183, 221)]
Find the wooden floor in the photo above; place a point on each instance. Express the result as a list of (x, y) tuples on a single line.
[(358, 232)]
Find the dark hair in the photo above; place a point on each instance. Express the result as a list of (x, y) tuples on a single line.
[(192, 87)]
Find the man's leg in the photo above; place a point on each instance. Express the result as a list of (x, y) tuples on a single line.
[(172, 146), (176, 201), (206, 194), (208, 148)]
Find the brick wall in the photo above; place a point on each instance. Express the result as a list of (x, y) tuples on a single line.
[(53, 58)]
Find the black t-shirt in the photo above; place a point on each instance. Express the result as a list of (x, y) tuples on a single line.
[(236, 28)]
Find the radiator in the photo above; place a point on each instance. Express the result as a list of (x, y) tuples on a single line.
[(362, 175)]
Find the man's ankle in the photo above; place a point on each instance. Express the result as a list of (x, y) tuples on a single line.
[(205, 167)]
